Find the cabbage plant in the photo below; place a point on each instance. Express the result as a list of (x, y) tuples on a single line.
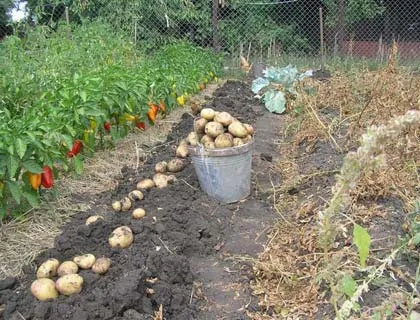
[(276, 85)]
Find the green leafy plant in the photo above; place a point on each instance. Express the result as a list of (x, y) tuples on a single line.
[(414, 225), (361, 239), (277, 85), (58, 89)]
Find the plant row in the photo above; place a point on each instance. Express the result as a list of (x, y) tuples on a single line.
[(65, 95)]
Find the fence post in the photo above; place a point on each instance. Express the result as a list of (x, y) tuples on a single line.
[(341, 25), (321, 35), (215, 17), (67, 15)]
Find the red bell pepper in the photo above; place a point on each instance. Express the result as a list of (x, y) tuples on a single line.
[(107, 126), (140, 125), (77, 146), (47, 177)]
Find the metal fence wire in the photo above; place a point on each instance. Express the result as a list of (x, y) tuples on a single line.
[(256, 29)]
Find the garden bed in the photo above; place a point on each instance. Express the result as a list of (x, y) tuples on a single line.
[(176, 249), (199, 256)]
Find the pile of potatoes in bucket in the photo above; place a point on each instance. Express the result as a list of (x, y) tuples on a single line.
[(68, 281), (219, 130)]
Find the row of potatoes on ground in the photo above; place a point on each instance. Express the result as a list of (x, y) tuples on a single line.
[(212, 130)]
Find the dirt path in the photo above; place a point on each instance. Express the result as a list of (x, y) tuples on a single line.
[(191, 254), (224, 278)]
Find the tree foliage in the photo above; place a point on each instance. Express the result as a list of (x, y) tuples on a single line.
[(355, 11), (154, 23), (5, 6)]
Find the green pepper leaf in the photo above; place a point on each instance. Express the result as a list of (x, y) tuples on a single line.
[(83, 95), (14, 190), (20, 147), (32, 166), (32, 198), (12, 166), (78, 165)]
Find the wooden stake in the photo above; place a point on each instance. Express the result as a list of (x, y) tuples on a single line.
[(215, 22), (321, 34), (67, 15), (249, 52), (135, 32)]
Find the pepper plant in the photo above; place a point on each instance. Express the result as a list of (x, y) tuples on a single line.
[(57, 90)]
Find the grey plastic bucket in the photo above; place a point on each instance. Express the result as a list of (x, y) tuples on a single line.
[(224, 174)]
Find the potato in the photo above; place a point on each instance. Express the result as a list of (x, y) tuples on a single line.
[(122, 237), (200, 125), (182, 150), (67, 267), (237, 129), (44, 289), (214, 129), (138, 213), (192, 139), (196, 107), (145, 184), (116, 205), (206, 139), (48, 269), (210, 145), (224, 141), (238, 142), (85, 261), (249, 129), (69, 284), (224, 118), (160, 167), (162, 180), (247, 139), (150, 291), (101, 265), (207, 113), (175, 165), (125, 204), (93, 219), (136, 195)]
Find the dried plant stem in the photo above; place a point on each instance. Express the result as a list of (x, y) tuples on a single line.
[(315, 116), (275, 204), (346, 308), (367, 156)]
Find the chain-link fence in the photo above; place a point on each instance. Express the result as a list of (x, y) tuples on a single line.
[(256, 29)]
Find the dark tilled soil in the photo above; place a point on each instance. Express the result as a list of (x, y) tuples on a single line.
[(189, 249)]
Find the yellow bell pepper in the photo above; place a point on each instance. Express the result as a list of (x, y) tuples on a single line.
[(129, 117), (181, 100), (93, 124)]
